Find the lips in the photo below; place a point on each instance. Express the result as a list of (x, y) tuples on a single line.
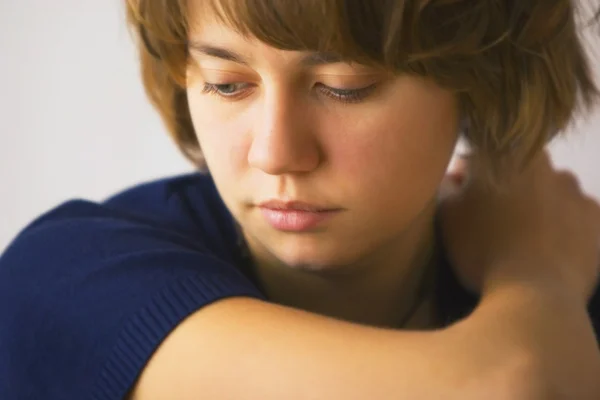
[(294, 206), (295, 216)]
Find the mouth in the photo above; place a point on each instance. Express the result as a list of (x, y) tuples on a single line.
[(294, 206), (296, 216)]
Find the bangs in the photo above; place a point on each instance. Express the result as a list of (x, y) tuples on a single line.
[(518, 67), (353, 30), (399, 35), (404, 35)]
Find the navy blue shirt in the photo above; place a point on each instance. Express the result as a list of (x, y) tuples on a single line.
[(88, 291)]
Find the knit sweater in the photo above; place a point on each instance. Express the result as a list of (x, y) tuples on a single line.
[(89, 290)]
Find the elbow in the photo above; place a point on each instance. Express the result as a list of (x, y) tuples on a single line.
[(525, 379), (511, 378), (515, 378), (530, 378)]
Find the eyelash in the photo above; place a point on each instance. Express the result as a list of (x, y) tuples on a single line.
[(348, 96)]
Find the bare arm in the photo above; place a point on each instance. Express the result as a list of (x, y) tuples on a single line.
[(547, 323), (530, 337), (246, 349)]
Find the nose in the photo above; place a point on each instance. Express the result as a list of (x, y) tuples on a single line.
[(282, 141)]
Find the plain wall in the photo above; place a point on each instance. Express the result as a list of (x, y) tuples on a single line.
[(74, 121)]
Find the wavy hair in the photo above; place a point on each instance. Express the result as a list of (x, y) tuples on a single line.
[(517, 67)]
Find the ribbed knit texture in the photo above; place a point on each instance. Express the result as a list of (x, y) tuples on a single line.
[(147, 329), (89, 291)]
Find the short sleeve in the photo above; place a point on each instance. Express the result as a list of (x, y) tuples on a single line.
[(86, 296)]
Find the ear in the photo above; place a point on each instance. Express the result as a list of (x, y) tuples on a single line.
[(455, 179)]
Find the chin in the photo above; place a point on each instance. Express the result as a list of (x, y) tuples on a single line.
[(317, 267), (315, 259), (316, 252)]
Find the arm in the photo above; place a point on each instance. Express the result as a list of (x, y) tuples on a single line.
[(549, 324), (530, 338), (247, 349)]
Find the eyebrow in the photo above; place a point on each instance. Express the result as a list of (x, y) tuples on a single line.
[(310, 60)]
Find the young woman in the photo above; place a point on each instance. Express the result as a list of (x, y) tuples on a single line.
[(306, 260)]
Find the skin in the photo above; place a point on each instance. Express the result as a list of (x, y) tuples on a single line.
[(270, 127), (530, 337)]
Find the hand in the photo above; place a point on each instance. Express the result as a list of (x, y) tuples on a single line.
[(541, 225)]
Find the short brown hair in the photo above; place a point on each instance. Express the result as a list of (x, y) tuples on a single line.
[(518, 67)]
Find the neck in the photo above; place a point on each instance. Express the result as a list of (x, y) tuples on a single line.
[(379, 290)]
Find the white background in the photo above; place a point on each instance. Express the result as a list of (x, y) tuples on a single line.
[(74, 121)]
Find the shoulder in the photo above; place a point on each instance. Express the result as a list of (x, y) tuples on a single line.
[(184, 210), (89, 290)]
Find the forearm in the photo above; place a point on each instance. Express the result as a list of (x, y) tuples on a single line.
[(247, 349), (519, 339)]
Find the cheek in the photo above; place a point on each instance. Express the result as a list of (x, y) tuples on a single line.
[(391, 149), (404, 152), (224, 140)]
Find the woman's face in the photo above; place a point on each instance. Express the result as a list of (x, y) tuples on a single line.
[(321, 162)]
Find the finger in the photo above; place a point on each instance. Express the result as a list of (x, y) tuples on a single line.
[(595, 207), (591, 206), (542, 162), (545, 159), (539, 167), (569, 180)]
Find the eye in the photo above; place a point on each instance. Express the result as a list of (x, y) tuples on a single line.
[(347, 95), (230, 91)]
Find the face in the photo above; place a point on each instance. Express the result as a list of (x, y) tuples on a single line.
[(321, 162)]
